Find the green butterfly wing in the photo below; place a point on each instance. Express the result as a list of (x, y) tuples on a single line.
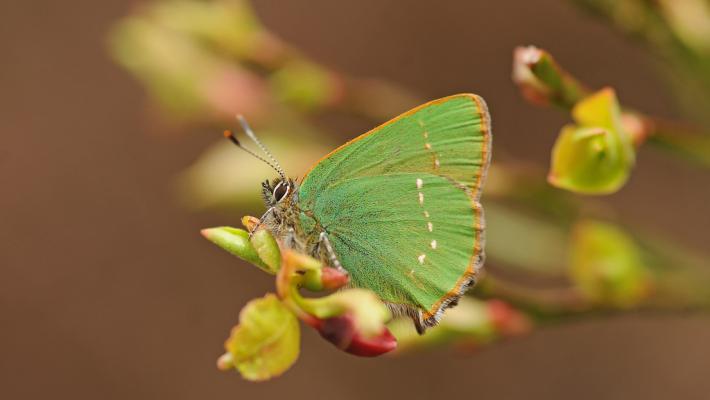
[(400, 204)]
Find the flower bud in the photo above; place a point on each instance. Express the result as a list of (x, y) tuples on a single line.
[(532, 89), (542, 81), (334, 278), (225, 362), (344, 333), (607, 266), (236, 241), (325, 278), (268, 249), (595, 156), (354, 321)]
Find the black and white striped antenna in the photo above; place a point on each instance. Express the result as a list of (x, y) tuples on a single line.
[(247, 130)]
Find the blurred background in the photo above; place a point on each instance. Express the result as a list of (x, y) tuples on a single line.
[(108, 291)]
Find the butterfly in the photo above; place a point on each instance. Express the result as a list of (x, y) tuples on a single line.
[(397, 207)]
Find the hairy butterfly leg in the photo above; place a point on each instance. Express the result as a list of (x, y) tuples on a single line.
[(261, 221), (332, 257)]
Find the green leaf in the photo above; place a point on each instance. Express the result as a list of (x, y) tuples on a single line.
[(266, 342), (236, 241)]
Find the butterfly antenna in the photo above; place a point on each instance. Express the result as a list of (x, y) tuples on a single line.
[(252, 136), (229, 135)]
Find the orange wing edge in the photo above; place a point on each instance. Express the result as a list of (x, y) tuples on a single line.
[(432, 316)]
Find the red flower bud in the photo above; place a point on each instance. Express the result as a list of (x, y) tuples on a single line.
[(343, 333)]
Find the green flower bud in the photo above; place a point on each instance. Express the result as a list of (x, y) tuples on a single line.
[(268, 250), (236, 241), (596, 155), (606, 265)]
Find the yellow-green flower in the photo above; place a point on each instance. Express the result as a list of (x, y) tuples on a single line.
[(596, 155)]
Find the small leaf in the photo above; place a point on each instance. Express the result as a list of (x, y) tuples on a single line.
[(236, 241), (606, 264), (266, 342)]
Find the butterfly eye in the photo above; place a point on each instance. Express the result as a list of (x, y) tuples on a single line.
[(281, 190)]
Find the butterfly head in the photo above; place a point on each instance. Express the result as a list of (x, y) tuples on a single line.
[(279, 192)]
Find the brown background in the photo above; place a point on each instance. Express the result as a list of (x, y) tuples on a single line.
[(108, 292)]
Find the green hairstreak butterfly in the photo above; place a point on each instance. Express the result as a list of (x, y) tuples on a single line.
[(397, 207)]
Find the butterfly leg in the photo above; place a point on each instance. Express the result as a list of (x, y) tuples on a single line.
[(261, 220), (332, 257)]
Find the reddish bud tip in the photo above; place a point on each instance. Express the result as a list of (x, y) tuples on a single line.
[(342, 332), (506, 319), (524, 60), (227, 133), (373, 346), (225, 362), (334, 278)]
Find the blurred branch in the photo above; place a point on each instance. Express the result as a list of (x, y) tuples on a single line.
[(678, 33), (684, 139)]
